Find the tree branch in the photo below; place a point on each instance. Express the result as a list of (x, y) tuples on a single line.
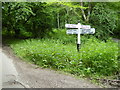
[(83, 13), (89, 9)]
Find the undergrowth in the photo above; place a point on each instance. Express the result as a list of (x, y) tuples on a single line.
[(96, 57)]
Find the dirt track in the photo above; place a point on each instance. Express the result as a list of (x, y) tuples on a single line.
[(33, 77)]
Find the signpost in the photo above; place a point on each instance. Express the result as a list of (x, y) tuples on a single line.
[(79, 29), (83, 31), (76, 26)]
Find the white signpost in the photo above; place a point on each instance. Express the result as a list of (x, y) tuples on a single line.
[(79, 29)]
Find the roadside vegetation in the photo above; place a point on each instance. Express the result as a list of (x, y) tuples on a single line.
[(96, 58), (36, 33)]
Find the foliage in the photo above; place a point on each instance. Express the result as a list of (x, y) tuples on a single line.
[(26, 17), (13, 15), (104, 20), (38, 18), (66, 39), (61, 36), (95, 58), (57, 50)]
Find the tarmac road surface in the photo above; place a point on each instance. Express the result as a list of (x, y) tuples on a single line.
[(9, 73)]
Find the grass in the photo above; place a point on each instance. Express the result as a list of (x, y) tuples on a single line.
[(96, 58)]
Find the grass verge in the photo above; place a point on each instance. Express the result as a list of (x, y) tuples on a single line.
[(96, 58)]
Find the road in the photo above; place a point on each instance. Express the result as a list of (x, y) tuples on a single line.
[(9, 74), (20, 74)]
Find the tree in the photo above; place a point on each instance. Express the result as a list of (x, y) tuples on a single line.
[(14, 14), (104, 20), (26, 16)]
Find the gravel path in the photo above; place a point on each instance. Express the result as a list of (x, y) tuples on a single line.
[(27, 75)]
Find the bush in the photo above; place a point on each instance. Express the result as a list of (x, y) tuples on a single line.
[(62, 36)]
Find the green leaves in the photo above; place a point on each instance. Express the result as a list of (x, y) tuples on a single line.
[(95, 57), (72, 5), (22, 17), (104, 20)]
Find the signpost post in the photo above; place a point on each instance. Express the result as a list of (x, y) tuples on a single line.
[(79, 29)]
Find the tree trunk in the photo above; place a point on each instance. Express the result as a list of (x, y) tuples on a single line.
[(89, 9), (58, 20), (86, 17), (83, 13), (67, 13)]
